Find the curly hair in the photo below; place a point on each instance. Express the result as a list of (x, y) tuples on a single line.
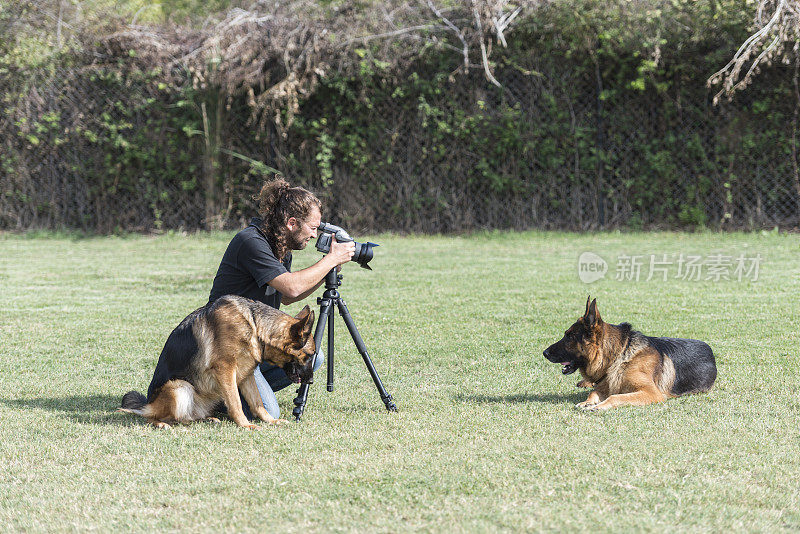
[(277, 203)]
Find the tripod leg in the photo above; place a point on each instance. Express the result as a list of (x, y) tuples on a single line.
[(330, 348), (362, 349), (302, 392)]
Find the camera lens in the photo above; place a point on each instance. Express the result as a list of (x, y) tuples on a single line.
[(363, 254)]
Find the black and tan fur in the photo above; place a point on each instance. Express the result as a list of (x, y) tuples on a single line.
[(626, 367), (211, 356)]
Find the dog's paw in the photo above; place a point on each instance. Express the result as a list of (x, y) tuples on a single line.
[(212, 420), (279, 422), (162, 425), (276, 422), (267, 419), (585, 384), (586, 405)]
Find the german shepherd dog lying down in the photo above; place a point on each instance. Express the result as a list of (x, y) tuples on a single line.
[(211, 356), (626, 367)]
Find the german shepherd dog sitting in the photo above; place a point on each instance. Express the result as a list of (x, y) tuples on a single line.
[(211, 356), (625, 367)]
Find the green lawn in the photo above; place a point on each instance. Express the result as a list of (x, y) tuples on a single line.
[(486, 438)]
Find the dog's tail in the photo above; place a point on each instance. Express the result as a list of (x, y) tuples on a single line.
[(133, 402)]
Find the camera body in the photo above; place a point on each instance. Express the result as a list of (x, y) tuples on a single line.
[(363, 253)]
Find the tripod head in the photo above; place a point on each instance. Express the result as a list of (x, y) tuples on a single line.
[(332, 280)]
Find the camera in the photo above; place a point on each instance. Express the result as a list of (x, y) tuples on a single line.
[(363, 253)]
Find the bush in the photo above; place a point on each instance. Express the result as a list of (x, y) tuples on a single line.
[(602, 120)]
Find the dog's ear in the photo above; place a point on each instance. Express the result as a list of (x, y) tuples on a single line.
[(592, 316), (588, 298), (303, 313), (301, 329)]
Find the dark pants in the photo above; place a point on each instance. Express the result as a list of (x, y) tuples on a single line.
[(275, 376)]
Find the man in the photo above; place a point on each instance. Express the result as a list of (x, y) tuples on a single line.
[(257, 265)]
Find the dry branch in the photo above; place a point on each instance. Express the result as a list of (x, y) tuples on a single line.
[(276, 53), (774, 39)]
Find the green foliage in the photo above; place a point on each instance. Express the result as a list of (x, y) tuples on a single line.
[(136, 134), (623, 56), (603, 105)]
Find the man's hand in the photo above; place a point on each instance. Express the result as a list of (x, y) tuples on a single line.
[(341, 252)]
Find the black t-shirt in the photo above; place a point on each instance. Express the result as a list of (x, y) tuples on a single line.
[(247, 267)]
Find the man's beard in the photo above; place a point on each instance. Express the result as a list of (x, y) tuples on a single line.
[(293, 241)]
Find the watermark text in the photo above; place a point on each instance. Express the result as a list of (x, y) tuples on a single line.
[(713, 267)]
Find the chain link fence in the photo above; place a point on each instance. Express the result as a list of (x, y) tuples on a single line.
[(84, 149)]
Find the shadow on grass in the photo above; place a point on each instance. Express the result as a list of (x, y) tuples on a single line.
[(552, 398), (89, 409)]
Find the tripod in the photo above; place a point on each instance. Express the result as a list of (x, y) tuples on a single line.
[(326, 303)]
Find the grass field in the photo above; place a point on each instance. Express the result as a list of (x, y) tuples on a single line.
[(487, 437)]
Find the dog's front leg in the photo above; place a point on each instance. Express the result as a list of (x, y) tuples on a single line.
[(226, 377), (598, 395), (591, 400), (642, 397), (250, 393)]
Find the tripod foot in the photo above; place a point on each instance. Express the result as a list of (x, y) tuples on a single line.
[(389, 402), (300, 402)]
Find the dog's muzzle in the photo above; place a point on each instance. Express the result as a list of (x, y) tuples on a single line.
[(567, 367), (300, 374)]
